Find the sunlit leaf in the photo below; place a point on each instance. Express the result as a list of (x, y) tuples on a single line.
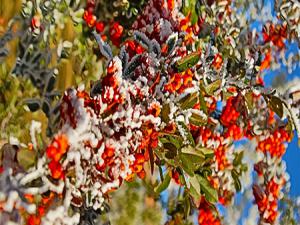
[(212, 87), (198, 120), (187, 61), (26, 158), (210, 193), (195, 189), (188, 101)]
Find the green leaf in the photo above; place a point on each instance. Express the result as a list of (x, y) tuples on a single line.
[(202, 102), (276, 105), (26, 158), (165, 111), (188, 101), (168, 138), (212, 87), (237, 182), (187, 61), (226, 95), (195, 189), (134, 63), (33, 104), (238, 158), (189, 6), (206, 151), (171, 150), (151, 157), (164, 184), (210, 193), (171, 42), (181, 176), (189, 136), (249, 100), (197, 119), (192, 151), (191, 159), (187, 206), (186, 164)]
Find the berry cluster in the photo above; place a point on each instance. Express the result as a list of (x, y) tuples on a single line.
[(115, 29), (267, 200), (275, 34), (157, 99), (138, 166), (207, 216), (133, 48), (274, 143), (54, 152), (179, 82), (230, 114)]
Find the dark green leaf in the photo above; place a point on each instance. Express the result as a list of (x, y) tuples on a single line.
[(276, 105), (186, 164), (51, 83), (165, 111), (33, 104), (134, 63), (155, 47), (237, 182), (238, 158), (151, 157), (46, 108), (171, 42), (164, 184), (96, 89), (142, 39), (202, 102), (170, 146), (171, 150)]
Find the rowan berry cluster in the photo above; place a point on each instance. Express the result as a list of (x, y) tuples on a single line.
[(115, 29), (158, 104), (54, 152), (267, 197), (207, 216), (274, 143)]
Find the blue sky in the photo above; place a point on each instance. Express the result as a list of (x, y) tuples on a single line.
[(292, 155), (292, 158)]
